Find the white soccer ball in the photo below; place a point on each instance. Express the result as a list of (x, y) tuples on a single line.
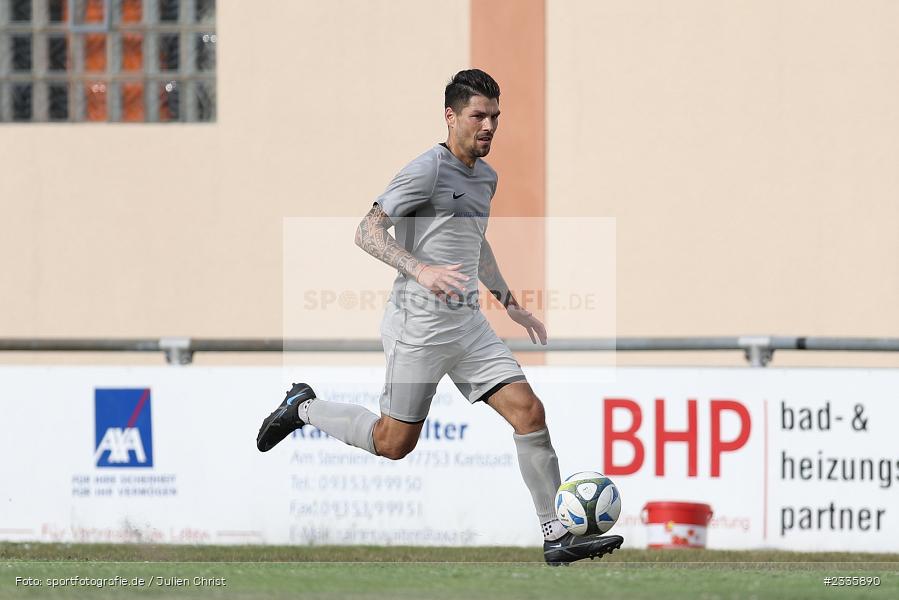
[(588, 502)]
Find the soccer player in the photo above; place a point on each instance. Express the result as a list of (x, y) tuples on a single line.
[(432, 326)]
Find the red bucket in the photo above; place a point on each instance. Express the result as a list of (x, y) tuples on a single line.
[(676, 524)]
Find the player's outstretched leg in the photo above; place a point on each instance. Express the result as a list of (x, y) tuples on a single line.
[(285, 418), (349, 423), (539, 466), (540, 471)]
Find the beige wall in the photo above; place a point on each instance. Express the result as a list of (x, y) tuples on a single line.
[(142, 230), (746, 149)]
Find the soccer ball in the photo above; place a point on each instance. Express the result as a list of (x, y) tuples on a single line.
[(588, 502)]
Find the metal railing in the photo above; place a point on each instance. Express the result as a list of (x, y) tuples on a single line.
[(758, 350)]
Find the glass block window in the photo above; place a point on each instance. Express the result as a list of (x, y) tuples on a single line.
[(128, 61)]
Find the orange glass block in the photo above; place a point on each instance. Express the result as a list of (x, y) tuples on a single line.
[(132, 51), (133, 102), (95, 105), (164, 113), (132, 11), (93, 11), (169, 109), (95, 52)]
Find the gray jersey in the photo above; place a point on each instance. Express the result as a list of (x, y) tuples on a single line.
[(439, 207)]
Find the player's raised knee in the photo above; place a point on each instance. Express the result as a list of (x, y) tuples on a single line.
[(533, 417), (528, 417)]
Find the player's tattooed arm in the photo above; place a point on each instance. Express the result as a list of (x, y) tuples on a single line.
[(372, 236), (488, 273)]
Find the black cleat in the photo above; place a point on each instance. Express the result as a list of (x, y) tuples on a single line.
[(285, 419), (570, 548)]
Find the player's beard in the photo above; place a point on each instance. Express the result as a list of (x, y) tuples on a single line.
[(481, 149)]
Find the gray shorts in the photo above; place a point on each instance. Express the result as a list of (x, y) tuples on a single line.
[(479, 363)]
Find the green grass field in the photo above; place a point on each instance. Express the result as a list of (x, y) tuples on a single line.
[(333, 573)]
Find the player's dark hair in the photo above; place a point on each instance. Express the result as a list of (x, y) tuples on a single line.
[(465, 84)]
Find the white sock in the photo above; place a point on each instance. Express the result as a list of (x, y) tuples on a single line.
[(540, 471), (349, 423), (303, 410), (553, 530)]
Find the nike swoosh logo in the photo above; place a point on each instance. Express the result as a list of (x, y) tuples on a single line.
[(554, 546), (455, 197)]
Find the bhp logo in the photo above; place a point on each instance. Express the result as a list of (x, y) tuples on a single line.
[(662, 436), (124, 432)]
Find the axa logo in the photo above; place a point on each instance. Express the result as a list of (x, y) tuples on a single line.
[(124, 430)]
